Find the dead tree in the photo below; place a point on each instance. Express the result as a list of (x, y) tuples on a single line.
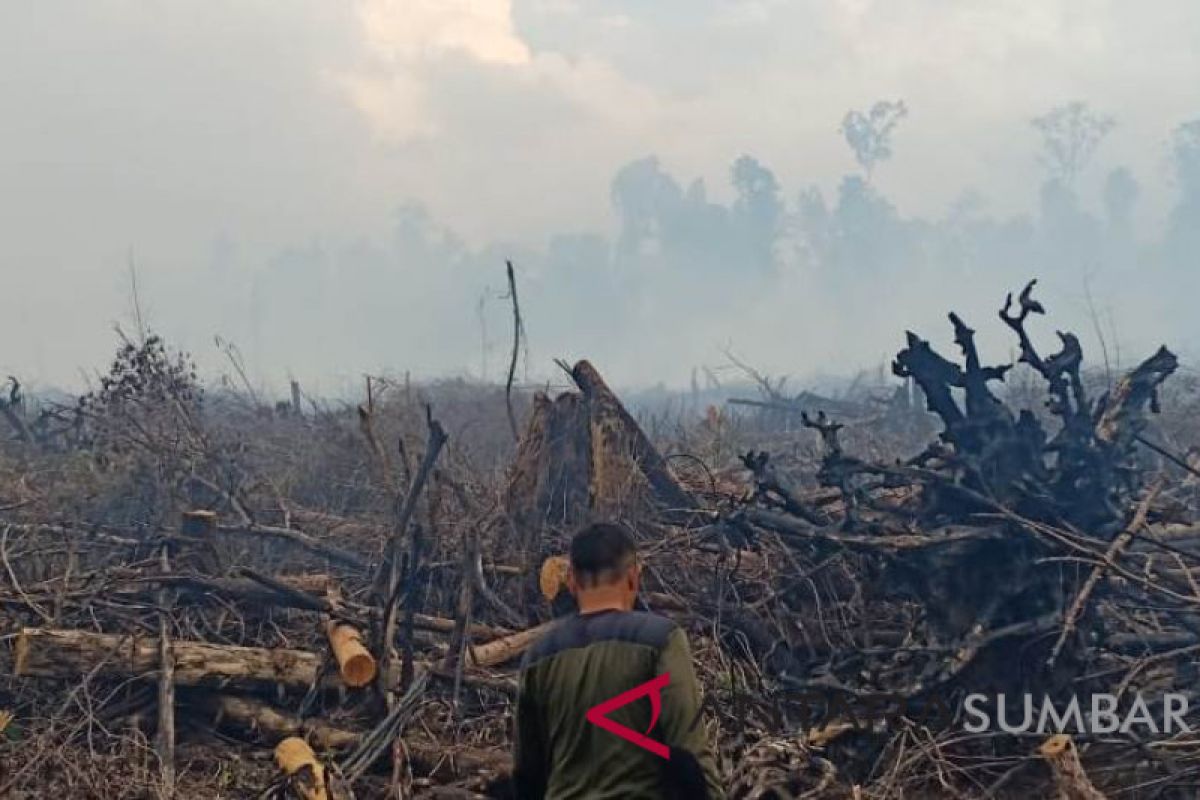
[(1080, 474), (583, 456)]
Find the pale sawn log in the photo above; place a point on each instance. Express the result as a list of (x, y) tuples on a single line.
[(305, 772), (355, 663), (249, 714), (501, 650), (270, 723), (69, 654)]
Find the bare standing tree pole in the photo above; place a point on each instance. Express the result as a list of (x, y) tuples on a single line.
[(388, 580), (234, 354), (518, 335), (483, 340), (164, 744), (135, 298)]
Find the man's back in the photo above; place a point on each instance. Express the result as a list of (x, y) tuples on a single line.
[(582, 661)]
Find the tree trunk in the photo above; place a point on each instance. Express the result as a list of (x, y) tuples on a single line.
[(272, 725), (68, 654), (355, 662), (306, 775), (501, 650), (619, 445)]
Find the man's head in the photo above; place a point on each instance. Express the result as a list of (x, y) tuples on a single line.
[(604, 568)]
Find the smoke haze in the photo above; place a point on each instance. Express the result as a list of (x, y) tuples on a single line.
[(335, 186)]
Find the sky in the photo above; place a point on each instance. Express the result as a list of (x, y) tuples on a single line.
[(200, 144)]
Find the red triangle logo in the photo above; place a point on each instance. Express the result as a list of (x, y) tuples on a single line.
[(598, 715)]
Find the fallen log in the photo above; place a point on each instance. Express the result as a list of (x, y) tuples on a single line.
[(333, 525), (355, 663), (499, 651), (69, 654), (946, 535), (196, 588), (474, 680), (446, 625), (300, 539), (253, 715), (432, 757)]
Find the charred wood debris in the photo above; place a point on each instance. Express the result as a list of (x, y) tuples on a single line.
[(182, 616)]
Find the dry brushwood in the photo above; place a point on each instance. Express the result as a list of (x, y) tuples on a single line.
[(782, 770), (366, 612)]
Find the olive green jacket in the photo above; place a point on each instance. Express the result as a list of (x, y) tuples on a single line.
[(582, 661)]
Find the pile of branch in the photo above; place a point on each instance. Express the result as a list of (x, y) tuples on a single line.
[(1027, 551), (373, 645), (191, 630)]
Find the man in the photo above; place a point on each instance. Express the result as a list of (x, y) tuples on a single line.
[(606, 649)]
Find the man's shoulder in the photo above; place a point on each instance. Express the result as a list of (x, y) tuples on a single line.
[(583, 630)]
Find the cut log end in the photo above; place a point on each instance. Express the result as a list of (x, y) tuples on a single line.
[(298, 761), (293, 754), (554, 576), (358, 671), (1055, 746), (355, 662), (1070, 779)]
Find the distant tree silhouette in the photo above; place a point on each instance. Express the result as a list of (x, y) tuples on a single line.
[(643, 196), (1185, 154), (870, 135), (758, 211), (868, 234), (1183, 227), (1070, 135), (1120, 196)]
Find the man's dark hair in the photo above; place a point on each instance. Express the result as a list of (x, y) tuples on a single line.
[(600, 552)]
